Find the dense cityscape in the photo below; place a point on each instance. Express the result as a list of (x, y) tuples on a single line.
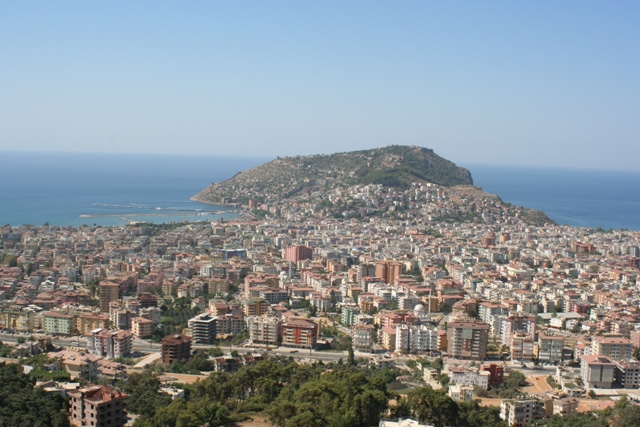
[(421, 299)]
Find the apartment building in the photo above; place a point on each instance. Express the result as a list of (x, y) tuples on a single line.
[(175, 347), (263, 329), (363, 336), (299, 333), (203, 329), (98, 406), (613, 347), (141, 328), (109, 292), (597, 371), (109, 344), (467, 340), (550, 346), (55, 323)]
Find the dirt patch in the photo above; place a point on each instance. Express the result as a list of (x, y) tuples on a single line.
[(256, 421)]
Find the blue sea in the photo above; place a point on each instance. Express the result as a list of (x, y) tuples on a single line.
[(114, 189), (577, 197), (110, 189)]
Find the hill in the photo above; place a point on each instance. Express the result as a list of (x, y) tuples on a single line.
[(392, 166)]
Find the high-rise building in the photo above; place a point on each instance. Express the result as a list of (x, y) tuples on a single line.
[(175, 347), (299, 333), (297, 253), (109, 292), (389, 271), (263, 329), (613, 347), (363, 336), (467, 340), (203, 328), (98, 406)]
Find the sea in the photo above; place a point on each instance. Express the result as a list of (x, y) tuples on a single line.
[(72, 189), (75, 189)]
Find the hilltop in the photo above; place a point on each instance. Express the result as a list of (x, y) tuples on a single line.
[(392, 166), (399, 181)]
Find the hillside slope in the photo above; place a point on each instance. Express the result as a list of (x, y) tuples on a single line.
[(392, 166)]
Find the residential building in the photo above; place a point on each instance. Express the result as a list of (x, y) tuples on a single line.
[(55, 323), (565, 406), (298, 253), (98, 406), (175, 347), (496, 373), (256, 307), (467, 339), (91, 321), (627, 373), (109, 344), (230, 323), (363, 336), (349, 314), (109, 292), (416, 339), (299, 333), (203, 329), (387, 336), (522, 346), (518, 413), (517, 324), (597, 371), (141, 328), (613, 347), (550, 346), (263, 329), (461, 393)]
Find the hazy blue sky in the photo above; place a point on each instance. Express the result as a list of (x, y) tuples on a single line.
[(514, 82)]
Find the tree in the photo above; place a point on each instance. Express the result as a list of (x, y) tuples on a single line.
[(444, 308), (433, 406), (351, 361), (23, 405), (144, 398)]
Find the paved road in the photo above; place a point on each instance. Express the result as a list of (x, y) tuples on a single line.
[(538, 385)]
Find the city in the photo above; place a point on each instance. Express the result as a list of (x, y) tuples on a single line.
[(456, 305)]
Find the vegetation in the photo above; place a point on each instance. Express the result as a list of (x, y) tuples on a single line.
[(19, 398), (394, 166), (293, 395), (624, 414), (175, 317), (437, 408), (509, 389)]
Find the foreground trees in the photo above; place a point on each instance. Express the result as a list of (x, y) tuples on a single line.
[(23, 405)]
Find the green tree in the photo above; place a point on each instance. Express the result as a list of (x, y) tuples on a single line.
[(351, 361), (433, 406), (23, 405), (144, 398)]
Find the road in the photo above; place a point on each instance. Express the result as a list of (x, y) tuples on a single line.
[(538, 385), (145, 346)]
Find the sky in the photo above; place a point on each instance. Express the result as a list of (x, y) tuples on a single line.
[(517, 83)]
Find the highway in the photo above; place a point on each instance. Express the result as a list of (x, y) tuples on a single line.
[(146, 346)]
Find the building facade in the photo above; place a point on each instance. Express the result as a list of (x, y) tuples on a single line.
[(175, 347), (467, 340), (98, 406)]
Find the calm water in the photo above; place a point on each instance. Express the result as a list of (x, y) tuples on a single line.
[(578, 197), (60, 188)]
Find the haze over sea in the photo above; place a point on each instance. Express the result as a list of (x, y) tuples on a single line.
[(60, 187)]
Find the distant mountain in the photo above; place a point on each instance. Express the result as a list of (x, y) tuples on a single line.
[(285, 177)]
